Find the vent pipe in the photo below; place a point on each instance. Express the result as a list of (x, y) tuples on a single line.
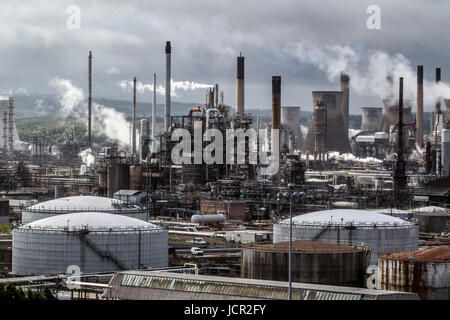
[(168, 77), (134, 118), (154, 114), (240, 85), (11, 125), (216, 95), (5, 134), (419, 115), (90, 100), (276, 115)]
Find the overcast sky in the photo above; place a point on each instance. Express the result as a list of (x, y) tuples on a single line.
[(128, 37)]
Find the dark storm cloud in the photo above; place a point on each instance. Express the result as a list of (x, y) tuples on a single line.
[(206, 37)]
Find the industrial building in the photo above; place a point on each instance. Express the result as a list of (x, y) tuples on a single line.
[(93, 241), (382, 232), (67, 205)]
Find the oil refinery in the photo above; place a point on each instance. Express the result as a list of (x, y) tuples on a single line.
[(216, 200)]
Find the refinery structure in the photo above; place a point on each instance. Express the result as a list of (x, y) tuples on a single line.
[(330, 213)]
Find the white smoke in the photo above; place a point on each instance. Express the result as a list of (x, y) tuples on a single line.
[(175, 86), (351, 157), (104, 119), (87, 157), (368, 70), (113, 70)]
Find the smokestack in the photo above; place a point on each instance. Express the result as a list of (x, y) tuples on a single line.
[(134, 117), (11, 125), (437, 107), (168, 77), (345, 88), (216, 95), (419, 115), (240, 85), (154, 114), (276, 116), (445, 148), (399, 173), (5, 134), (90, 100)]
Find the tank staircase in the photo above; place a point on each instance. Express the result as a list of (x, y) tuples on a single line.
[(102, 253), (321, 232)]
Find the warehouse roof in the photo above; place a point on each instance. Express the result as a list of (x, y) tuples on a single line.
[(347, 216)]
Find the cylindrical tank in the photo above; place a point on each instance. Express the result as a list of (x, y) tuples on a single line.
[(59, 192), (382, 232), (433, 222), (62, 206), (135, 177), (425, 272), (124, 177), (208, 218), (312, 262), (371, 118), (111, 181), (92, 241)]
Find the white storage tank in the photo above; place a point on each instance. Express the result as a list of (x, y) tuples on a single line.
[(208, 218), (81, 204), (382, 232), (92, 241)]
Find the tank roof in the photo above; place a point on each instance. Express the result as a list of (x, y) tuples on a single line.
[(438, 254), (346, 217), (304, 246), (86, 203), (91, 221)]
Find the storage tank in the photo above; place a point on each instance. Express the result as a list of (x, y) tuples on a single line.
[(312, 262), (208, 218), (67, 205), (135, 177), (382, 232), (433, 222), (93, 241), (425, 272)]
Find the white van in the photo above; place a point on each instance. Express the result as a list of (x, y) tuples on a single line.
[(196, 251)]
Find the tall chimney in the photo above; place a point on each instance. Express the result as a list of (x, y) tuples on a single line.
[(11, 125), (216, 95), (437, 107), (399, 173), (240, 85), (90, 100), (345, 88), (276, 116), (134, 117), (154, 114), (419, 115), (5, 134), (168, 77)]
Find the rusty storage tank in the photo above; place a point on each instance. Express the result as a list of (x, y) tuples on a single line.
[(371, 118), (391, 113), (336, 134), (111, 178), (382, 232), (312, 262), (135, 177), (425, 272), (433, 222), (125, 176)]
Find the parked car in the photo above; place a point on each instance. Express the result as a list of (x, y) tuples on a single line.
[(196, 251)]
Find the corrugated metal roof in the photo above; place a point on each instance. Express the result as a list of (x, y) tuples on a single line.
[(230, 289)]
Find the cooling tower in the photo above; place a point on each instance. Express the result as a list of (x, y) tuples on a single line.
[(372, 118), (336, 137), (290, 124), (391, 113)]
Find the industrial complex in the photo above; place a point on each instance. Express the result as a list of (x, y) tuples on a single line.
[(224, 204)]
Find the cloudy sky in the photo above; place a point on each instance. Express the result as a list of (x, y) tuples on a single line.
[(305, 42)]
